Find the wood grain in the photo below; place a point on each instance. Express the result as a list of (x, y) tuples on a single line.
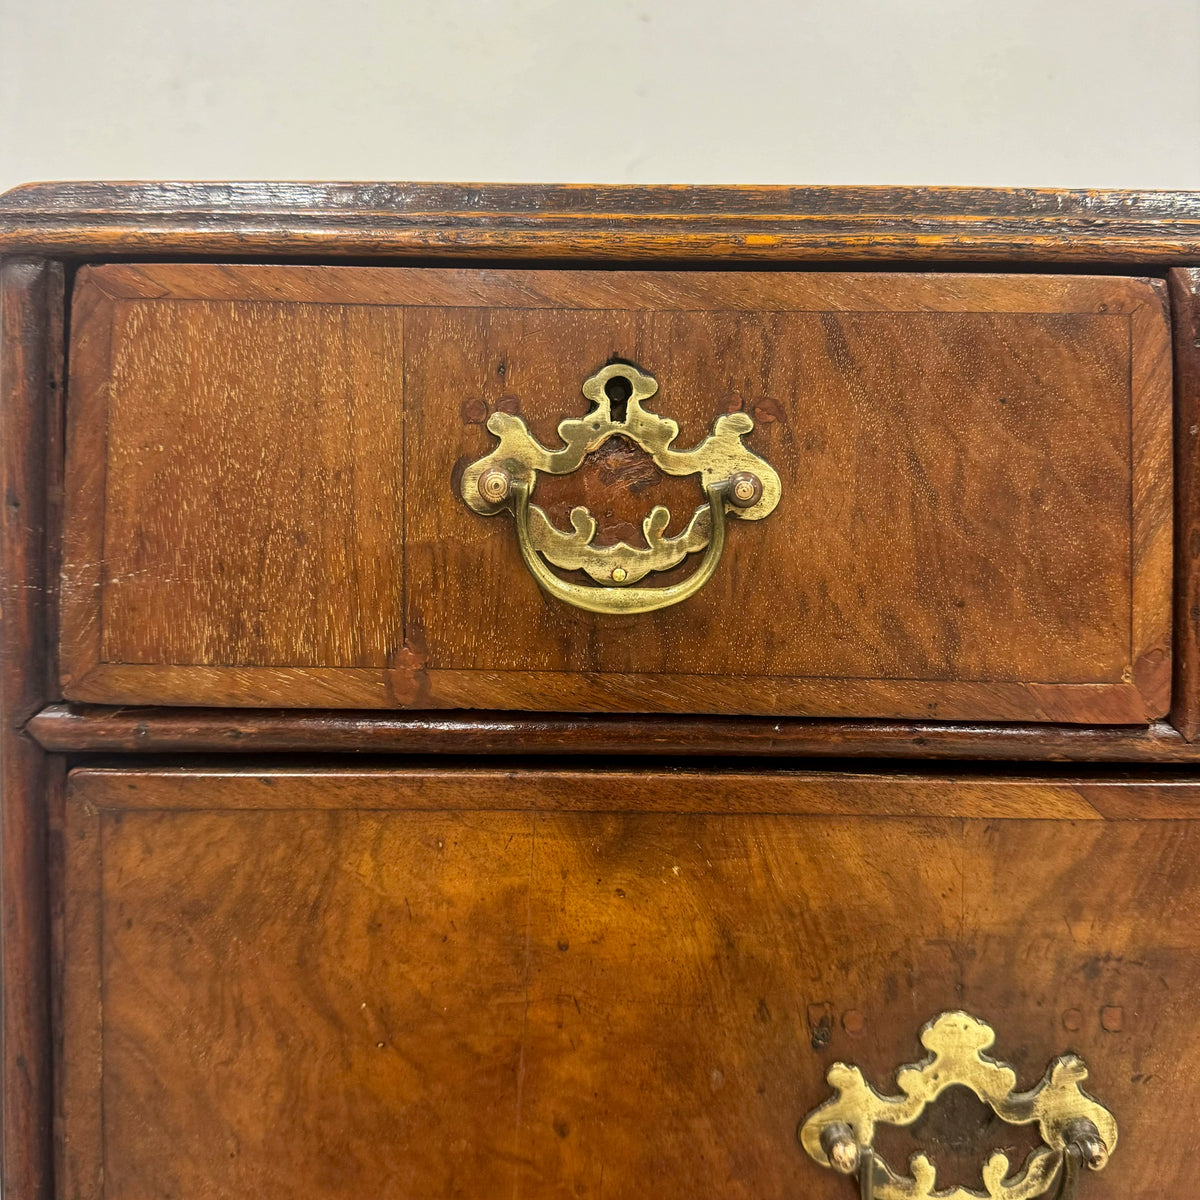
[(343, 996), (763, 224), (68, 728), (282, 546), (975, 525), (31, 317)]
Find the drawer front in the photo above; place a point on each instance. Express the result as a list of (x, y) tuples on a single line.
[(348, 984), (266, 471)]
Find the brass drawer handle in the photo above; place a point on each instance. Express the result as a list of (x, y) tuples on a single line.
[(1077, 1131), (735, 482)]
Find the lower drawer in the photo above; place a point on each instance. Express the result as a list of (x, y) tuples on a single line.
[(485, 983)]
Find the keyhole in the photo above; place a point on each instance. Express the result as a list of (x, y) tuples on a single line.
[(618, 390)]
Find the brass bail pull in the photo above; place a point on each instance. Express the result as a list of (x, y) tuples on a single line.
[(1077, 1131), (734, 482)]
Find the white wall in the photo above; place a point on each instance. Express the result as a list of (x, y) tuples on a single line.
[(1050, 92)]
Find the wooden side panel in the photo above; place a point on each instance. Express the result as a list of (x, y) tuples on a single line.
[(31, 322), (975, 520), (343, 996), (1185, 310)]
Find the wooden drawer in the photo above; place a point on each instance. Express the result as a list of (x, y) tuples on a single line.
[(338, 984), (265, 467)]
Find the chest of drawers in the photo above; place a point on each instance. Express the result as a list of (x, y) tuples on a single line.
[(543, 691)]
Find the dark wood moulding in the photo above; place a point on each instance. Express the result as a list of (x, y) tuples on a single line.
[(249, 220), (31, 305), (92, 728)]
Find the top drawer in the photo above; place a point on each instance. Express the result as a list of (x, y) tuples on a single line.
[(267, 468)]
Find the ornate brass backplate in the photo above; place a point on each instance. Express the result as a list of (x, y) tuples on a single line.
[(1075, 1128), (733, 480)]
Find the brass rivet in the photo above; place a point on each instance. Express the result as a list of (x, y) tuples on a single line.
[(844, 1158), (840, 1148), (745, 489), (494, 485), (619, 574), (1085, 1137)]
